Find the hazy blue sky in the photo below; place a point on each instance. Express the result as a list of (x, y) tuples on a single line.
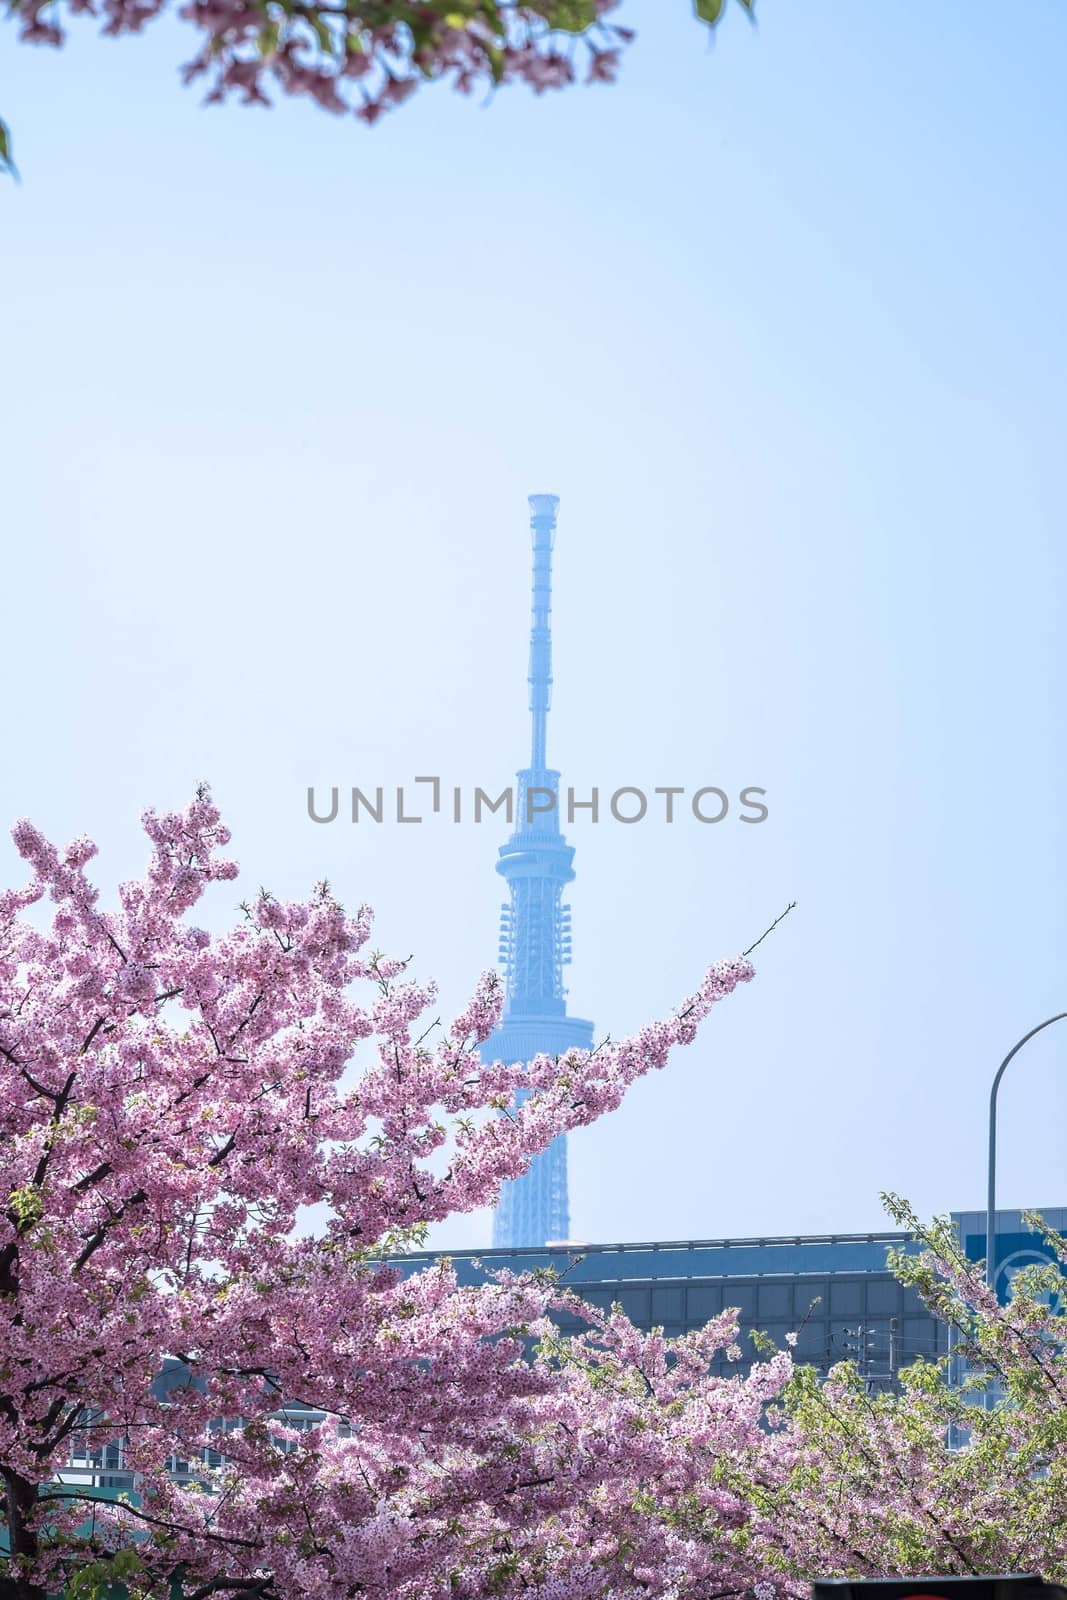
[(782, 322)]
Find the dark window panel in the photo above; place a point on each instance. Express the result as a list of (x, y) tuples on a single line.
[(775, 1300), (846, 1298), (668, 1304)]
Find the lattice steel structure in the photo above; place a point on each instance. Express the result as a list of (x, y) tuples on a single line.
[(535, 940)]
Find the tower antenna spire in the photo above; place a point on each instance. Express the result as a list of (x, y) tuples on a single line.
[(543, 508)]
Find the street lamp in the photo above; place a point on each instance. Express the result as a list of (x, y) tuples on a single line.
[(991, 1198)]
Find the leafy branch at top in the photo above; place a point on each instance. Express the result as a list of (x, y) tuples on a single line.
[(363, 57)]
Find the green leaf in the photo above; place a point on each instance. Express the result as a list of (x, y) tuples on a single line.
[(322, 33), (6, 163), (569, 16), (711, 11), (269, 36)]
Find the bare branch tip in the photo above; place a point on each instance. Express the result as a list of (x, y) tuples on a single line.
[(779, 918)]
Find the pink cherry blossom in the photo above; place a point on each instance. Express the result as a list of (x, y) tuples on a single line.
[(169, 1101)]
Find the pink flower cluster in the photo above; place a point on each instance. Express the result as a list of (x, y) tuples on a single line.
[(169, 1101), (367, 58)]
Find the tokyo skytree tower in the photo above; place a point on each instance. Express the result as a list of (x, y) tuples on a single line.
[(535, 924)]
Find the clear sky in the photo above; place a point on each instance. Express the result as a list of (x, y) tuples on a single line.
[(782, 322)]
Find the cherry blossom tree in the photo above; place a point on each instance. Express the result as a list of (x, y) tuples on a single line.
[(962, 1471), (367, 56), (965, 1470), (169, 1102)]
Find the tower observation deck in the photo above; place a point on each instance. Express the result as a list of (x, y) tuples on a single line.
[(535, 942)]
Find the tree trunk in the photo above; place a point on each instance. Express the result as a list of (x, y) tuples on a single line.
[(20, 1500)]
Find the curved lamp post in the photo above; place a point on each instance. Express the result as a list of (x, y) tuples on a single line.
[(991, 1198)]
